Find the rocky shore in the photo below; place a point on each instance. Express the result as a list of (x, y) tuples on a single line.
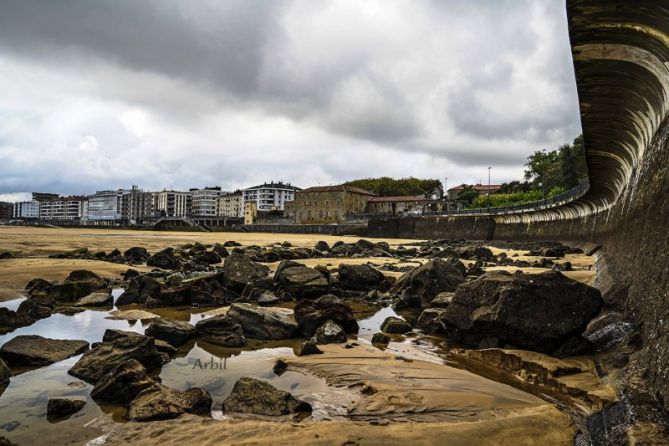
[(532, 346)]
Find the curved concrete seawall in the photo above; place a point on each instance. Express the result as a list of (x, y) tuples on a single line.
[(621, 60)]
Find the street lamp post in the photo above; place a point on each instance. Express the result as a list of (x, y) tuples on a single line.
[(489, 187)]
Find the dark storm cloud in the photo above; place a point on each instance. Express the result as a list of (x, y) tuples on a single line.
[(174, 92)]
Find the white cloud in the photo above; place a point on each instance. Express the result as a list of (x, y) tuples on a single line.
[(186, 93)]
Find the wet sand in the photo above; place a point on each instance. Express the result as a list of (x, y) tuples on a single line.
[(33, 241)]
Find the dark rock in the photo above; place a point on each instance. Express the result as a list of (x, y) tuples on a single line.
[(82, 275), (442, 300), (112, 334), (5, 442), (5, 373), (302, 282), (10, 320), (130, 273), (322, 246), (429, 279), (94, 364), (220, 250), (267, 299), (69, 291), (62, 408), (428, 321), (122, 383), (308, 348), (395, 325), (159, 402), (6, 255), (174, 332), (312, 314), (258, 397), (33, 309), (33, 350), (231, 243), (360, 277), (330, 333), (280, 366), (164, 259), (607, 329), (254, 289), (221, 330), (138, 290), (136, 254), (536, 312), (283, 265), (209, 257), (37, 286), (264, 323), (238, 270), (381, 339)]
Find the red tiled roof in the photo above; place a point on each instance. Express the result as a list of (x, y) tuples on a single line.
[(405, 198), (338, 188), (477, 187)]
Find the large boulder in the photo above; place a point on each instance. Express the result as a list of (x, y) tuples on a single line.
[(303, 282), (164, 259), (33, 350), (209, 257), (95, 363), (312, 314), (330, 333), (136, 254), (83, 275), (68, 292), (122, 383), (395, 325), (429, 279), (139, 289), (264, 323), (220, 250), (258, 397), (360, 277), (238, 270), (531, 311), (221, 330), (159, 402), (11, 320), (174, 332)]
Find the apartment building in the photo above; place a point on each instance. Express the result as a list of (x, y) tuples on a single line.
[(6, 210), (136, 205), (170, 203), (269, 196), (105, 205), (63, 208), (26, 210), (230, 205), (205, 201)]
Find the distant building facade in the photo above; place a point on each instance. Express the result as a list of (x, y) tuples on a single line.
[(230, 205), (105, 206), (480, 189), (170, 203), (63, 208), (205, 201), (328, 204), (137, 205), (405, 205), (26, 210), (269, 196), (6, 210), (250, 213)]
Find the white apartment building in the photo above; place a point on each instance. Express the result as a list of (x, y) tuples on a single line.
[(170, 203), (26, 209), (269, 196), (63, 208), (105, 205), (230, 205), (205, 201)]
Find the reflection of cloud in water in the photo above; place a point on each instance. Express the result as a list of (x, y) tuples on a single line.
[(373, 323)]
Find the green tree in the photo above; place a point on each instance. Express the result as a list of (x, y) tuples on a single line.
[(386, 186)]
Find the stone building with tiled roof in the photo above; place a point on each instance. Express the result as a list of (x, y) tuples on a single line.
[(328, 204)]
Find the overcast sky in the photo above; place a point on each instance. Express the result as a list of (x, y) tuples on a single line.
[(188, 93)]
